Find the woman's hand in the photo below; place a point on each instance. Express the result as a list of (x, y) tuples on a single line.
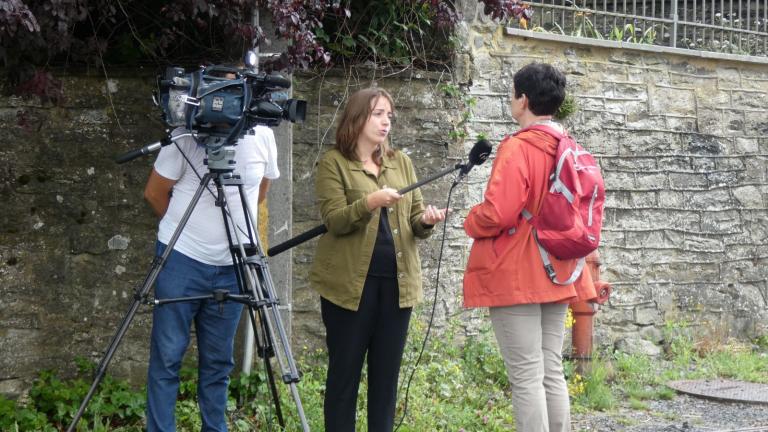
[(432, 215), (384, 197)]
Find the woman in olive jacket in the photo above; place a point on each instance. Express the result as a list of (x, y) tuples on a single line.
[(366, 267)]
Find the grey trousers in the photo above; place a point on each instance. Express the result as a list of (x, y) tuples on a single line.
[(530, 338)]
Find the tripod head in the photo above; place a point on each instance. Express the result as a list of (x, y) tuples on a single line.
[(220, 153)]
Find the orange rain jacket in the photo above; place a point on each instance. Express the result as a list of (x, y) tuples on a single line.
[(504, 266)]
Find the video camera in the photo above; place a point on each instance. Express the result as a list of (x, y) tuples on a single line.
[(225, 102)]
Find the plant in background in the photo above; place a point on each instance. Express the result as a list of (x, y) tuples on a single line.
[(459, 130), (44, 33), (567, 108), (631, 33)]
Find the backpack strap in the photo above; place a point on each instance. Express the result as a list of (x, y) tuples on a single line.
[(550, 269)]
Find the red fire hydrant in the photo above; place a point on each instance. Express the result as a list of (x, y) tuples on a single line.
[(583, 316)]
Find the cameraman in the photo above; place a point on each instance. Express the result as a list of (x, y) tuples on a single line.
[(199, 264)]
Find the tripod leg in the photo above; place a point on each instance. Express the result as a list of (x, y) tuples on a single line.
[(102, 368), (257, 282), (139, 297), (266, 350), (263, 292)]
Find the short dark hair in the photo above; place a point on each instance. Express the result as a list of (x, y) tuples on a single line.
[(543, 84)]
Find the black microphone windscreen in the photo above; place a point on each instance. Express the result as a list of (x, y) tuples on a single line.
[(480, 152)]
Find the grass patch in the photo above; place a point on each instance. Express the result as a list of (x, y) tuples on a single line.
[(460, 385)]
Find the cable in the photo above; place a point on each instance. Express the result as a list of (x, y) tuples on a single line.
[(432, 313)]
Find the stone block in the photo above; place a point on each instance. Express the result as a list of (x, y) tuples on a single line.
[(643, 199), (712, 200), (704, 164), (625, 106), (671, 100), (725, 178), (755, 123), (489, 108), (674, 163), (651, 180), (750, 197), (652, 238), (608, 72), (627, 163), (713, 99), (749, 99), (672, 199), (746, 145), (637, 346), (649, 142), (656, 218), (688, 181), (619, 180), (728, 77), (700, 243), (648, 315), (680, 124), (721, 222)]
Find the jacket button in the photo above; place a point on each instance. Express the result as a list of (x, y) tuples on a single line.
[(394, 231), (401, 275), (399, 254), (391, 209)]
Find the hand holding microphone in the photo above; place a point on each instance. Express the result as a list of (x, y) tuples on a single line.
[(384, 197)]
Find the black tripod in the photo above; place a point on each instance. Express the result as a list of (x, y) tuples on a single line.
[(254, 281)]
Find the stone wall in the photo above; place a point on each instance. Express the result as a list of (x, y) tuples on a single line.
[(683, 143), (75, 235)]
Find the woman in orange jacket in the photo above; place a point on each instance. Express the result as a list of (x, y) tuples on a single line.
[(505, 272)]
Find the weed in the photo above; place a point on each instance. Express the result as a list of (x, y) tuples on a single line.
[(460, 384)]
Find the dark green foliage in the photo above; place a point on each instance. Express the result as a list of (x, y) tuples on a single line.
[(36, 35)]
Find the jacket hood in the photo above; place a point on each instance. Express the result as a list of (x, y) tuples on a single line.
[(541, 140)]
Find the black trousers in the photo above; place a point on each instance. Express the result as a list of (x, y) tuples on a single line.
[(378, 328)]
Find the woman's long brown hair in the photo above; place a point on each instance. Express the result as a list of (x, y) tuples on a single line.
[(356, 114)]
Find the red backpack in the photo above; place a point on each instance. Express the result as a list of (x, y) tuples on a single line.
[(571, 216)]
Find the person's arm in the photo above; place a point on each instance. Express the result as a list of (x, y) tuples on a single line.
[(264, 188), (330, 191), (157, 192), (505, 194)]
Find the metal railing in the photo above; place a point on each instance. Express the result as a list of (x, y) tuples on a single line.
[(727, 26)]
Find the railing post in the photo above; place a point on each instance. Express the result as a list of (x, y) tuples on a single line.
[(673, 38)]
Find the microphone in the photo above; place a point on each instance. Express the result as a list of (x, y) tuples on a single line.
[(133, 154), (479, 154), (151, 148)]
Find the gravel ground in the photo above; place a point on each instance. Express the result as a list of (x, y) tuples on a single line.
[(682, 414)]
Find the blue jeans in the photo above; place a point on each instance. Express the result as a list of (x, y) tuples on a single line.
[(215, 327)]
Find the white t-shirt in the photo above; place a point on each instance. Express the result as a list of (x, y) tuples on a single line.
[(203, 237)]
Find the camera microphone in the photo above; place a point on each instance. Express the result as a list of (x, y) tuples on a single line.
[(275, 81)]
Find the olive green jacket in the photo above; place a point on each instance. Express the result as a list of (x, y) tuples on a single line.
[(343, 254)]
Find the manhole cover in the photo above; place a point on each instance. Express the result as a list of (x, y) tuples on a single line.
[(737, 391)]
